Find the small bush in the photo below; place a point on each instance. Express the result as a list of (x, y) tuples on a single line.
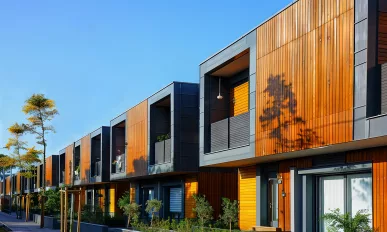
[(203, 210), (230, 212), (92, 214), (152, 207)]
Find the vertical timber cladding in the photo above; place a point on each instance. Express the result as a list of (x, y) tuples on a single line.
[(18, 182), (378, 156), (305, 57), (49, 171), (137, 139), (68, 163), (191, 188), (247, 196), (284, 208), (7, 185), (215, 185), (85, 159)]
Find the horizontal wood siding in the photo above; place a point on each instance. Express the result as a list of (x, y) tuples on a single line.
[(191, 188), (85, 159), (137, 138), (378, 156), (304, 87), (132, 194), (239, 99), (215, 185), (68, 162), (247, 197), (382, 38)]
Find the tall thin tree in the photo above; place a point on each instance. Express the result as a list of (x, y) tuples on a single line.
[(15, 142), (40, 111)]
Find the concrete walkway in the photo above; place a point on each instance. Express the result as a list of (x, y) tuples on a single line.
[(20, 225)]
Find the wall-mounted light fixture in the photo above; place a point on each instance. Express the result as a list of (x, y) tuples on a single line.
[(219, 97)]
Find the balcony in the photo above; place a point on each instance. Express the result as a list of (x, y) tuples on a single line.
[(230, 133), (163, 151)]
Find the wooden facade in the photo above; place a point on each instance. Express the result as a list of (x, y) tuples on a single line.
[(304, 76), (247, 197), (18, 182), (85, 159), (49, 171), (239, 99), (382, 38), (137, 139), (8, 185), (191, 188), (69, 164), (215, 185)]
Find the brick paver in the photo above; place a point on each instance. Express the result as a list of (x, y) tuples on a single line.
[(19, 225)]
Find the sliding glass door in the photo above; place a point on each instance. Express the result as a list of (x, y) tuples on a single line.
[(347, 193)]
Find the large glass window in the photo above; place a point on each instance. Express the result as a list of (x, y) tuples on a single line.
[(348, 193)]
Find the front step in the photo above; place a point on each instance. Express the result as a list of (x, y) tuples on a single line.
[(266, 229)]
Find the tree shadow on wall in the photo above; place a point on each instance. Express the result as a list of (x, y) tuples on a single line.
[(282, 101)]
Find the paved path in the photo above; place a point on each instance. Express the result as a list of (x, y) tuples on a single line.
[(19, 225)]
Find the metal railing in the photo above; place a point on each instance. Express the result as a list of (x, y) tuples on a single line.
[(230, 132)]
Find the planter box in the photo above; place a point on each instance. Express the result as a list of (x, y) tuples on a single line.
[(167, 150), (159, 152), (90, 227), (49, 222)]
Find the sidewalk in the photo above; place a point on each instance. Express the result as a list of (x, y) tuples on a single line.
[(20, 225)]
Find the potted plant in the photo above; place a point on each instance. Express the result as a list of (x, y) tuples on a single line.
[(76, 172)]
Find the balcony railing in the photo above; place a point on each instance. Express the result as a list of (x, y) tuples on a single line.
[(97, 168), (163, 151), (230, 132)]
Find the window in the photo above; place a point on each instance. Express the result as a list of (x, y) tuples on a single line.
[(349, 193)]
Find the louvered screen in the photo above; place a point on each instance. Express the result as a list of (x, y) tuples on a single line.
[(219, 135), (240, 130), (175, 200)]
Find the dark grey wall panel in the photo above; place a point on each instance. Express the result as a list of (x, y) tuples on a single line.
[(105, 154), (361, 10), (219, 135), (240, 130), (360, 85), (359, 118)]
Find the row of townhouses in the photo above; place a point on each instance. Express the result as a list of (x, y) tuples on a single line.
[(290, 120)]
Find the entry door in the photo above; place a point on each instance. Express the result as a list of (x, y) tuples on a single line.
[(273, 202)]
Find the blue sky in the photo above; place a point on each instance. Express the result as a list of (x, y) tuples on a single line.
[(97, 59)]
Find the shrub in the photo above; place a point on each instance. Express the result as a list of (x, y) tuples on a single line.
[(230, 212), (52, 202), (132, 210), (152, 207), (124, 200), (203, 210), (335, 221), (92, 214)]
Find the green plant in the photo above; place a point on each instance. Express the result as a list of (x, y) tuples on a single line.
[(124, 200), (336, 221), (92, 214), (132, 210), (164, 137), (182, 226), (152, 207), (203, 210), (52, 203), (230, 212)]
